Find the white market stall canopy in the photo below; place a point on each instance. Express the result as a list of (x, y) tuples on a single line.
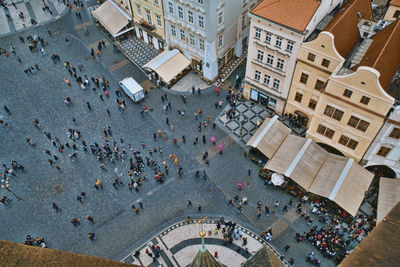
[(112, 17), (168, 64), (337, 178), (277, 132), (388, 197)]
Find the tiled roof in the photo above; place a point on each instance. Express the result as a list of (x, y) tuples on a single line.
[(293, 14), (263, 257), (395, 2), (14, 254), (344, 25), (384, 53), (204, 259)]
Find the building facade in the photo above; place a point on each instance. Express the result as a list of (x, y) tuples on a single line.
[(340, 85), (148, 20), (208, 32), (385, 150), (277, 29)]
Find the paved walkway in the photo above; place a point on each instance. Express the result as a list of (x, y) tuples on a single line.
[(181, 242), (31, 9)]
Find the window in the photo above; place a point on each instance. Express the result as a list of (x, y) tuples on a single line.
[(267, 79), (200, 1), (220, 40), (337, 115), (276, 84), (298, 97), (280, 63), (346, 141), (191, 39), (220, 17), (201, 21), (278, 42), (258, 34), (244, 2), (312, 104), (243, 21), (268, 37), (272, 102), (325, 63), (365, 100), (333, 113), (358, 124), (347, 93), (325, 131), (201, 44), (190, 16), (158, 18), (383, 151), (270, 60), (363, 126), (139, 10), (180, 12), (257, 75), (182, 34), (289, 46), (329, 111), (304, 78), (170, 8), (173, 30), (319, 84), (396, 14), (260, 55), (395, 133), (156, 2), (148, 15), (311, 57)]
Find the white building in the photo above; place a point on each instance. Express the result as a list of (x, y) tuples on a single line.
[(208, 32), (385, 150), (277, 29)]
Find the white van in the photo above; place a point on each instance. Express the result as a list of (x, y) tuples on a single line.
[(132, 89)]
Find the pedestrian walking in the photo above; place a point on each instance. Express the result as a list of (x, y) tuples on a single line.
[(285, 208), (140, 205), (167, 121), (199, 208), (79, 198), (89, 218), (19, 60), (277, 204), (92, 236), (204, 139), (88, 105), (267, 210), (189, 202), (7, 110), (56, 207), (287, 247), (109, 113), (249, 170)]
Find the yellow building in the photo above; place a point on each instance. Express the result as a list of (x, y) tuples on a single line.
[(344, 102), (148, 19), (393, 11)]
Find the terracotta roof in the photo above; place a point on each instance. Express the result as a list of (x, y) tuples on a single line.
[(264, 257), (344, 25), (293, 14), (14, 254), (395, 2), (384, 53), (381, 247)]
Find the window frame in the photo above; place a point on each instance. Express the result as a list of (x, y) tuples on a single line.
[(304, 78), (192, 40), (298, 97), (268, 37), (365, 100), (395, 133), (312, 104), (171, 8), (278, 42), (190, 14), (325, 62), (181, 13), (221, 41), (139, 10), (347, 93), (311, 57), (280, 63), (257, 34), (267, 78), (200, 21), (148, 16), (173, 30), (182, 34), (260, 55), (220, 17), (290, 44), (383, 151), (270, 60), (201, 44), (276, 84), (319, 84), (257, 75)]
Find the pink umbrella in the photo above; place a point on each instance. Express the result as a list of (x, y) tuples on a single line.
[(220, 147), (213, 139), (240, 185)]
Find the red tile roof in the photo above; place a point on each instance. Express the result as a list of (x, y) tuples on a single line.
[(295, 14), (344, 25), (384, 53), (395, 2)]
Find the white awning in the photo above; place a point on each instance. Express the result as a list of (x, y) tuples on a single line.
[(112, 17), (168, 64), (388, 197), (269, 136)]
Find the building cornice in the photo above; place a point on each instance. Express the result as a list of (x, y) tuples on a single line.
[(313, 66), (276, 23)]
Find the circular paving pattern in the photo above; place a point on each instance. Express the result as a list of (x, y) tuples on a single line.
[(180, 243)]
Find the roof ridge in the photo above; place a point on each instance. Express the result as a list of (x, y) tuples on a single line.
[(386, 43), (343, 14), (265, 5)]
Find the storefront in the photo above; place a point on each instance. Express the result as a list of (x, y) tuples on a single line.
[(262, 99)]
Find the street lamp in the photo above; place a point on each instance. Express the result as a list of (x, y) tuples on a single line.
[(7, 186)]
